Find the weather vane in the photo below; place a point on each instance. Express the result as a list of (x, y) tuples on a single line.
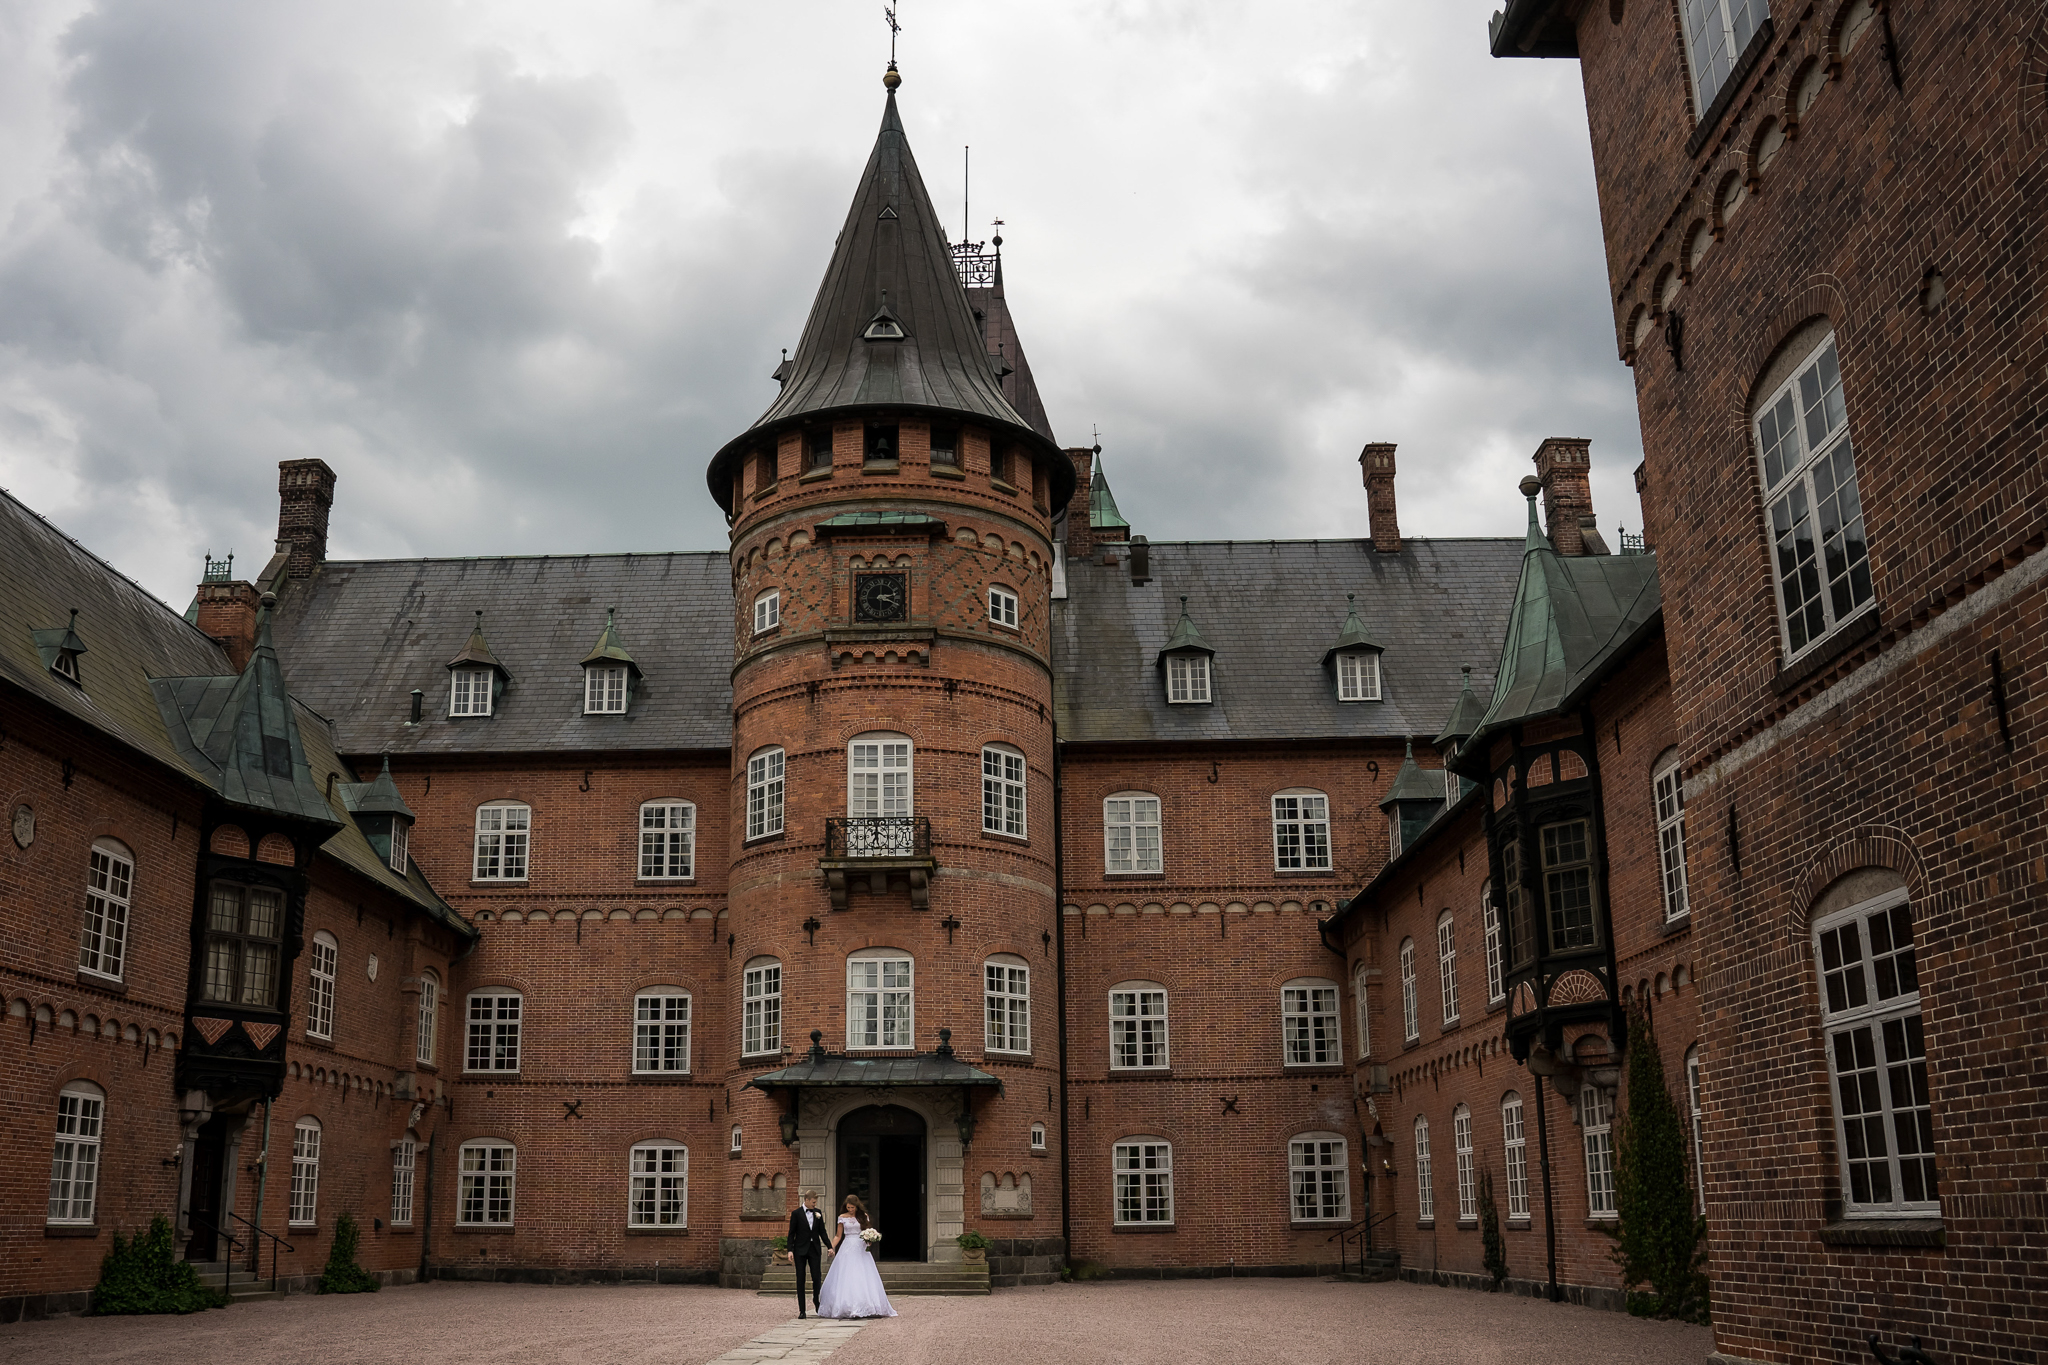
[(889, 13)]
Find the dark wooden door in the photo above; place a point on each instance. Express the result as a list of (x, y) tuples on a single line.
[(208, 1162)]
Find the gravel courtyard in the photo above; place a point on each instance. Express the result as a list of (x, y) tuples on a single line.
[(1187, 1322)]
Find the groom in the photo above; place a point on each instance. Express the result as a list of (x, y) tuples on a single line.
[(807, 1238)]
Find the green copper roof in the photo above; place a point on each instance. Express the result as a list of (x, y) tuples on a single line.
[(1353, 635), (1466, 713), (61, 640), (377, 797), (476, 652), (1185, 637), (1102, 513), (609, 647), (1412, 783)]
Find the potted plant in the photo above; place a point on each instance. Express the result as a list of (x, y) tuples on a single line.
[(780, 1246), (973, 1246)]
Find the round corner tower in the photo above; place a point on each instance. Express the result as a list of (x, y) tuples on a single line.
[(892, 861)]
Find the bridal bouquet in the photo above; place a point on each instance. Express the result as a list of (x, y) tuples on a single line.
[(871, 1236)]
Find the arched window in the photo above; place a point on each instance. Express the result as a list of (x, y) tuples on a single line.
[(661, 1030), (484, 1186), (1137, 1026), (75, 1163), (1425, 1192), (1359, 999), (1319, 1177), (1694, 1110), (878, 776), (1496, 983), (764, 794), (1006, 993), (1447, 965), (1002, 606), (1461, 1150), (768, 611), (1002, 791), (1308, 1023), (1130, 833), (1143, 1168), (430, 1018), (1668, 790), (305, 1192), (1411, 1014), (322, 956), (1596, 1122), (1301, 831), (493, 1031), (1515, 1141), (658, 1186), (879, 1000), (243, 928), (404, 1158), (109, 882), (1813, 515), (502, 831), (668, 840), (761, 1008)]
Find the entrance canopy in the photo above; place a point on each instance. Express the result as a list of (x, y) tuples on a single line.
[(821, 1069)]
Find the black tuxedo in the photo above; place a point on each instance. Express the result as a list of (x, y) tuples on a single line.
[(807, 1248)]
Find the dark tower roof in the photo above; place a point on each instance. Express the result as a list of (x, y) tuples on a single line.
[(891, 326), (993, 307)]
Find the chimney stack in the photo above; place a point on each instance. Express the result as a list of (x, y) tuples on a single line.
[(1564, 466), (1377, 461), (227, 612), (305, 495)]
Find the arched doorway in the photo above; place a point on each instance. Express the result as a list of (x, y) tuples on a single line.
[(881, 1159)]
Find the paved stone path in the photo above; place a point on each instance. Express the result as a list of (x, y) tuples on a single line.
[(800, 1341)]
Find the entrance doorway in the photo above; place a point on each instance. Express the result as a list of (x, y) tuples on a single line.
[(881, 1159), (209, 1159)]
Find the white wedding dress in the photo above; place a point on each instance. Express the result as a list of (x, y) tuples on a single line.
[(853, 1286)]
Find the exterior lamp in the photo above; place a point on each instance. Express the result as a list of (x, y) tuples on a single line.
[(787, 1122)]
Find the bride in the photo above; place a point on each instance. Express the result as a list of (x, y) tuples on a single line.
[(853, 1286)]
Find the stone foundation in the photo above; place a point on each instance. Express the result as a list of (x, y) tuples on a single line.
[(1586, 1295)]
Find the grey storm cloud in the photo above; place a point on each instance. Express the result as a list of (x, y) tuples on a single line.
[(517, 271)]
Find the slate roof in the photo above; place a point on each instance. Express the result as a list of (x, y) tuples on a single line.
[(1000, 328), (1270, 609), (358, 636)]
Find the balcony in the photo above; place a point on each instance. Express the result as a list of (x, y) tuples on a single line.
[(878, 849)]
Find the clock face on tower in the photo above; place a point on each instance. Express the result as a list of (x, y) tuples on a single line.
[(881, 598)]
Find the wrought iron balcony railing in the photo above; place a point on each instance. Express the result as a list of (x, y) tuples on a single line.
[(878, 836)]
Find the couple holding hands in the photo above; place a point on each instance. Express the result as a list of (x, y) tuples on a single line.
[(853, 1289)]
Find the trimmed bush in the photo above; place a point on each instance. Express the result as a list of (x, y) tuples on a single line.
[(144, 1275), (343, 1275), (1660, 1240)]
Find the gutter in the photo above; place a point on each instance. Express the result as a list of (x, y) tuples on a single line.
[(1059, 921)]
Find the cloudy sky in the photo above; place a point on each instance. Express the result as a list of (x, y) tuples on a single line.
[(516, 269)]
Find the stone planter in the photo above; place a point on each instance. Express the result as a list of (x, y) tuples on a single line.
[(974, 1255)]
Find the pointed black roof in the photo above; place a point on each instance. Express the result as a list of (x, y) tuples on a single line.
[(892, 266)]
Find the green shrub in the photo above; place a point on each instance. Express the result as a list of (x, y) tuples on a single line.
[(144, 1275), (780, 1243), (1660, 1239), (343, 1275), (1489, 1232), (971, 1240)]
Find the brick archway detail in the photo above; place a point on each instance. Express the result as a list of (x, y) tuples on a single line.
[(1885, 846), (2031, 106)]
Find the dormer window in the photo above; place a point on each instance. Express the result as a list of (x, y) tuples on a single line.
[(1187, 679), (60, 649), (401, 838), (66, 665), (604, 690), (470, 692), (1358, 676)]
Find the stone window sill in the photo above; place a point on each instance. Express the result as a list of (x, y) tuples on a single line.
[(1468, 1224), (1314, 1224), (490, 1077), (1313, 874), (657, 1232), (1606, 1223), (1425, 1224), (1410, 1044), (479, 1230), (110, 985), (1675, 926), (1884, 1233), (1000, 486), (87, 1230), (1519, 1225), (508, 883), (1142, 1227), (1313, 1068), (1759, 42), (1451, 1027), (1137, 876), (658, 1077), (946, 471), (767, 492), (1845, 639), (1141, 1073), (813, 475), (992, 836), (318, 1044), (775, 838), (881, 466), (658, 882)]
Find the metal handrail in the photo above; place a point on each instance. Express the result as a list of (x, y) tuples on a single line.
[(1360, 1232), (878, 836), (228, 1261), (275, 1242)]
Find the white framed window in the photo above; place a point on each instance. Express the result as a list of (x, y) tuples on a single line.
[(1451, 789), (1002, 606), (1669, 791), (761, 1008), (1461, 1152), (109, 883), (75, 1161), (1716, 32), (1002, 791), (486, 1175), (1568, 885), (604, 690), (661, 1030), (1447, 965), (493, 1031), (879, 1000), (1360, 1000), (1037, 1137), (764, 794), (1425, 1190), (401, 847), (503, 830), (1496, 982), (1130, 834), (322, 956), (878, 776), (404, 1158), (1358, 676), (1877, 1056), (1515, 1143), (668, 841), (244, 926), (1144, 1181), (1301, 832), (1814, 515), (469, 691), (768, 610), (1006, 998), (1308, 1024), (430, 1018), (1411, 1014), (1319, 1178), (658, 1186), (1187, 679), (734, 1147), (1694, 1109), (305, 1192), (1137, 1027), (1596, 1121)]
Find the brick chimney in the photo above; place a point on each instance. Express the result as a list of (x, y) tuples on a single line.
[(1377, 462), (1564, 466), (227, 612), (1080, 541), (305, 495)]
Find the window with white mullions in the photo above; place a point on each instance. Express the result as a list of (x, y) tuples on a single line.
[(1301, 832), (1187, 679), (1358, 676), (1002, 607), (1515, 1142), (1308, 1017), (1144, 1182), (1447, 965), (484, 1185), (1425, 1187), (879, 1001), (404, 1160), (1877, 1052), (1320, 1179), (1596, 1121), (768, 610), (1496, 987), (1568, 885), (1820, 559), (1006, 994), (1130, 833), (1002, 791), (1359, 997), (1716, 33), (321, 955), (109, 878), (764, 794), (430, 1017), (1461, 1151), (305, 1190), (658, 1189), (604, 689), (493, 1032), (502, 834), (1411, 1015), (1694, 1108), (469, 692), (668, 841), (75, 1161), (661, 1031), (878, 776), (761, 1008), (1669, 791), (1137, 1027)]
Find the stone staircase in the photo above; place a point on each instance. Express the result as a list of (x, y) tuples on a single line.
[(1380, 1267), (909, 1279), (245, 1288)]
